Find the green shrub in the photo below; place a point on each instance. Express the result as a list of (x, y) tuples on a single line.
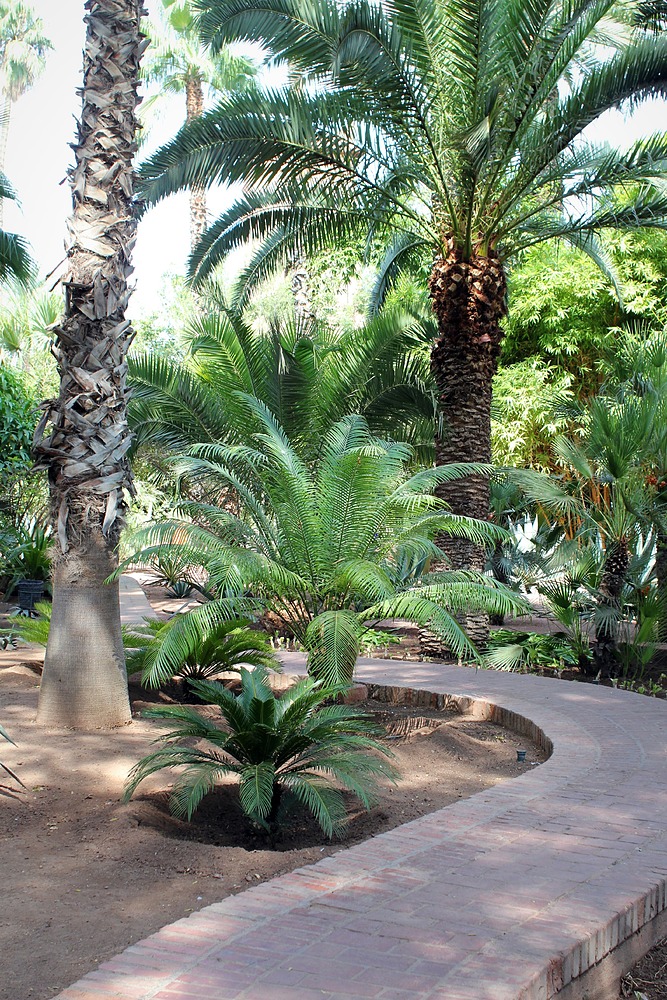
[(161, 650), (294, 744)]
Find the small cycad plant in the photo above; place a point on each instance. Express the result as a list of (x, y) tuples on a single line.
[(194, 649), (299, 743)]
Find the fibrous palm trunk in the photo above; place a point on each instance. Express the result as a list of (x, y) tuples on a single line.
[(469, 300), (84, 683), (614, 571), (194, 108)]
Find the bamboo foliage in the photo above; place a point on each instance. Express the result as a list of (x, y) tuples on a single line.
[(83, 437)]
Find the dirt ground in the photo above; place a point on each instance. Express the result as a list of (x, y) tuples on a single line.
[(83, 875), (648, 979)]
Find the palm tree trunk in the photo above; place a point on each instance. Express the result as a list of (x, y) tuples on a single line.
[(614, 571), (469, 300), (84, 683), (194, 108)]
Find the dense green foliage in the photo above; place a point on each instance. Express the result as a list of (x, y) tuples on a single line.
[(325, 543)]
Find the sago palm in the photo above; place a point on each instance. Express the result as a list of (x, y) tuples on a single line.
[(296, 743), (321, 544), (454, 128), (307, 377)]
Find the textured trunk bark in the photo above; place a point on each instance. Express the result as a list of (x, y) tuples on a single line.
[(194, 108), (469, 300), (617, 560), (303, 306), (84, 684), (661, 561)]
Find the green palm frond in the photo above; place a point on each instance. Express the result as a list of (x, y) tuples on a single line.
[(294, 743)]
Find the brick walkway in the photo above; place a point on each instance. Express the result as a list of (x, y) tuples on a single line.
[(509, 895)]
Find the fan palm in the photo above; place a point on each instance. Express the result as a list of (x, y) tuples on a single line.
[(82, 438), (454, 129), (320, 543), (295, 743), (23, 48)]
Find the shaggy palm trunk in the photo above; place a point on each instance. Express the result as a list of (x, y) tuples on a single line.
[(300, 282), (614, 571), (469, 300), (194, 107), (84, 684)]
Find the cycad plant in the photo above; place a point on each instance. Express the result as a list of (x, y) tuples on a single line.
[(453, 130), (296, 743), (319, 543), (161, 650), (307, 377)]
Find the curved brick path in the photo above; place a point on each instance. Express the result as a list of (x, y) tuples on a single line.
[(511, 894)]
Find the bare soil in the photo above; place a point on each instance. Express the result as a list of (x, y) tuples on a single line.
[(84, 876)]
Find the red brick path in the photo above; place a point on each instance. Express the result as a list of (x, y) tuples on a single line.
[(508, 895)]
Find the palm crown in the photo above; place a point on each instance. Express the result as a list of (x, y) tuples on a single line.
[(455, 126), (444, 123)]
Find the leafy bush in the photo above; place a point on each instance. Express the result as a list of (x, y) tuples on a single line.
[(27, 553), (164, 649), (294, 744), (326, 544), (526, 651)]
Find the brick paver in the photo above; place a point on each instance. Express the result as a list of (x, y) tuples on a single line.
[(509, 895)]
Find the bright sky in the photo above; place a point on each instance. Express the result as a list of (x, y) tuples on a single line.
[(43, 124)]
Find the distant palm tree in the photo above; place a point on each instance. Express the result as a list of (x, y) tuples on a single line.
[(23, 48), (454, 130), (179, 63)]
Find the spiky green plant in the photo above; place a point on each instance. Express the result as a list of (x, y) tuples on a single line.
[(452, 130), (161, 650), (320, 543), (296, 743)]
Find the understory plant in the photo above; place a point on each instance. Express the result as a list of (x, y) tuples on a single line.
[(161, 650), (164, 649), (528, 651), (278, 747), (324, 544)]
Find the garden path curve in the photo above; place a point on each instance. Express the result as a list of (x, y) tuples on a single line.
[(547, 884)]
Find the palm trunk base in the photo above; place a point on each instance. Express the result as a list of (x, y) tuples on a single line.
[(84, 685)]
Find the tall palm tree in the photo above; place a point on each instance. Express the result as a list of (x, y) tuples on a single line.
[(452, 128), (85, 450), (180, 64), (23, 48)]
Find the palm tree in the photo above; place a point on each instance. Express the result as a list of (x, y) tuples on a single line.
[(83, 437), (23, 48), (322, 543), (454, 129), (179, 64)]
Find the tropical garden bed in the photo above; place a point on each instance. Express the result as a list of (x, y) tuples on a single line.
[(84, 876)]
